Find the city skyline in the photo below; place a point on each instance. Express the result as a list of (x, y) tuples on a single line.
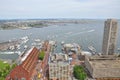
[(88, 9)]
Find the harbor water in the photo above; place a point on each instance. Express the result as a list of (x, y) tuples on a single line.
[(87, 33)]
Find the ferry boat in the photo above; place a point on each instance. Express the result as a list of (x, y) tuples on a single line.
[(92, 49)]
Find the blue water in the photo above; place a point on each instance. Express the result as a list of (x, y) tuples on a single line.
[(88, 32)]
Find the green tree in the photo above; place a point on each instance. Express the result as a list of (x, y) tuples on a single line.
[(41, 55), (0, 72), (13, 66), (7, 67), (79, 72), (2, 78), (4, 70)]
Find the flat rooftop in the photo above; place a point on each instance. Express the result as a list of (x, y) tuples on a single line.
[(61, 63), (104, 62)]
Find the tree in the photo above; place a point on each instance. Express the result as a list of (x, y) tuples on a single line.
[(13, 66), (7, 67), (79, 72), (2, 78), (0, 72), (41, 55), (4, 70)]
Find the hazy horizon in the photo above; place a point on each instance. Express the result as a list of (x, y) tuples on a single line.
[(59, 19)]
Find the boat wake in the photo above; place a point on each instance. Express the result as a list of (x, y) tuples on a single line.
[(81, 33), (91, 30), (69, 33)]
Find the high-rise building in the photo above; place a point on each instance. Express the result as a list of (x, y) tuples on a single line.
[(109, 37)]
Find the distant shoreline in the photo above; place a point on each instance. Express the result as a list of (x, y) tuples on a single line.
[(40, 23)]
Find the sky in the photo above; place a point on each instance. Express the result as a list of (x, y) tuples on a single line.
[(79, 9)]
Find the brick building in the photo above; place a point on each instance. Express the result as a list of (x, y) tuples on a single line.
[(24, 70)]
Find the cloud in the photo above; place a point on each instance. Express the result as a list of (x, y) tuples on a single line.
[(60, 9)]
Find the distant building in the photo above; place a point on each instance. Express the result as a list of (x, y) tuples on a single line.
[(24, 71), (103, 68), (110, 37), (59, 68)]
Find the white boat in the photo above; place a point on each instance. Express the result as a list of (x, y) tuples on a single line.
[(62, 42), (118, 49), (18, 46), (24, 28), (18, 52), (9, 41), (52, 43), (25, 47), (92, 48), (12, 47), (33, 44), (37, 40), (11, 52), (7, 52)]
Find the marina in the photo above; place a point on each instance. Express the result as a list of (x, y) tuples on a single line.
[(62, 34)]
